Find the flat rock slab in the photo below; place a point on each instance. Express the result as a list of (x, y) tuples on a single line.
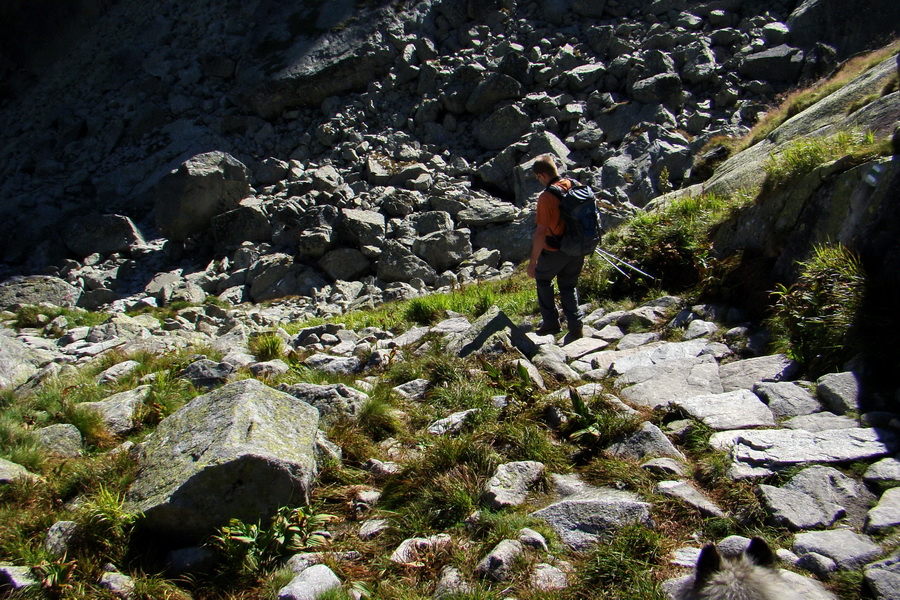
[(685, 492), (593, 514), (662, 383), (583, 346), (817, 497), (744, 374), (820, 421), (740, 409), (787, 399), (848, 549), (785, 447)]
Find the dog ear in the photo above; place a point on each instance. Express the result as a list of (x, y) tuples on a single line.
[(760, 553), (708, 563)]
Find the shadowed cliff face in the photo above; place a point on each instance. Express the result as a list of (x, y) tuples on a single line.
[(34, 33)]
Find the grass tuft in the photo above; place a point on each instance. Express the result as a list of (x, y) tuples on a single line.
[(813, 320)]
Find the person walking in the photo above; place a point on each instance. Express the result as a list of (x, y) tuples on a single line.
[(548, 262)]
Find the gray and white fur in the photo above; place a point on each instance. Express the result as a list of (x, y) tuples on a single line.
[(750, 576)]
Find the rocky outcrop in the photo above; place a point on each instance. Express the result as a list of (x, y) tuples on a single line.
[(254, 453)]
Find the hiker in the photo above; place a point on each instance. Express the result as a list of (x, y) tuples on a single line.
[(548, 262)]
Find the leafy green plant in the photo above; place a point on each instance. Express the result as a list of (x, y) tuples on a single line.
[(250, 548), (599, 424), (813, 319), (106, 524), (56, 575), (513, 379)]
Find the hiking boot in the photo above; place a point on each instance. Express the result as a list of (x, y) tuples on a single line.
[(575, 333), (548, 329)]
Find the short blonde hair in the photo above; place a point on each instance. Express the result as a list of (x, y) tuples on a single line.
[(545, 165)]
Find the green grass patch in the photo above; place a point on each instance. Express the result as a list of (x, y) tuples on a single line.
[(624, 567), (671, 245), (813, 319), (805, 155)]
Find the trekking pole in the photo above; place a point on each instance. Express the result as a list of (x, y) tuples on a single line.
[(615, 266), (607, 256)]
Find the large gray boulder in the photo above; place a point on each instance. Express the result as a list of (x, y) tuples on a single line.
[(248, 223), (444, 250), (37, 289), (503, 127), (311, 51), (103, 234), (781, 448), (242, 451), (18, 362), (398, 263), (277, 275), (780, 64), (119, 412), (849, 32), (204, 186)]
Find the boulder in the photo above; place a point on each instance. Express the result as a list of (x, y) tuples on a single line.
[(310, 583), (777, 65), (101, 234), (740, 409), (398, 263), (586, 514), (493, 89), (778, 448), (499, 563), (787, 399), (18, 362), (503, 127), (648, 442), (333, 401), (248, 223), (444, 250), (119, 411), (839, 392), (241, 451), (510, 483), (744, 374), (36, 289), (204, 186), (345, 264), (10, 471), (848, 549), (278, 275), (61, 439)]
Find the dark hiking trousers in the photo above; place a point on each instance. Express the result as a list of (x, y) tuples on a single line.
[(566, 270)]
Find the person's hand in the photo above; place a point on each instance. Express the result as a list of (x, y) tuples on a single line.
[(531, 267)]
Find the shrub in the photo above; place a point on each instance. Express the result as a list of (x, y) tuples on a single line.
[(813, 319)]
